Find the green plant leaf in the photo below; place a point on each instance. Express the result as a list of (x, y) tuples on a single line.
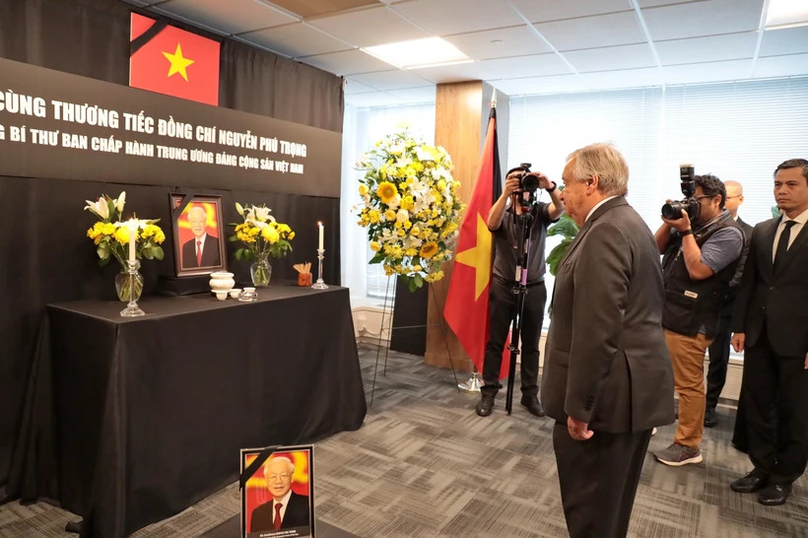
[(419, 280), (378, 258), (565, 227), (557, 255)]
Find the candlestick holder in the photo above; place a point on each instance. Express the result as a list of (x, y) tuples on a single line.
[(320, 285), (132, 310)]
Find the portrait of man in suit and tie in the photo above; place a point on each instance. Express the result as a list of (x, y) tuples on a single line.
[(198, 236), (286, 510)]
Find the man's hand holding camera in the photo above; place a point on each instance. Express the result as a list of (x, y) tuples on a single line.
[(680, 225)]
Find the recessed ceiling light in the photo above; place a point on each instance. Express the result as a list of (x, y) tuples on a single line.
[(496, 42), (418, 53), (786, 13)]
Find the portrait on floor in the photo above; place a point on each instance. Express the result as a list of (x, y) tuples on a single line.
[(277, 499), (198, 234)]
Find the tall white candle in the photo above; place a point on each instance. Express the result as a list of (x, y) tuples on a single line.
[(320, 224), (132, 237)]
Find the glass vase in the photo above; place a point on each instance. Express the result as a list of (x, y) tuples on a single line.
[(123, 284), (260, 273)]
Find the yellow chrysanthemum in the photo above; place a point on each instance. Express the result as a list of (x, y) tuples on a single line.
[(386, 191), (270, 234), (122, 235), (390, 215), (375, 246), (363, 189), (291, 235), (407, 203), (428, 250)]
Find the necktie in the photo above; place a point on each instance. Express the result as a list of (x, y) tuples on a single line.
[(782, 245), (276, 524), (199, 253)]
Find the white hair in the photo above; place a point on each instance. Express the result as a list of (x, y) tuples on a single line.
[(605, 162), (197, 209), (288, 462)]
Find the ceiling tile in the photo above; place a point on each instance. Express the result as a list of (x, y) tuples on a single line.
[(450, 73), (513, 41), (425, 94), (706, 49), (606, 58), (695, 19), (353, 87), (313, 8), (782, 66), (592, 32), (526, 66), (626, 78), (654, 3), (295, 40), (707, 72), (363, 100), (231, 17), (540, 85), (349, 62), (551, 10), (784, 41), (391, 80), (458, 16), (369, 27)]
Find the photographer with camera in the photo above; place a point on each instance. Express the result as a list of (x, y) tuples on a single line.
[(701, 246), (504, 220)]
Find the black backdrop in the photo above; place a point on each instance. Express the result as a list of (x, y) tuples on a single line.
[(48, 258)]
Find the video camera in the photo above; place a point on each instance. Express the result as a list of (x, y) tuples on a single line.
[(528, 185), (673, 210)]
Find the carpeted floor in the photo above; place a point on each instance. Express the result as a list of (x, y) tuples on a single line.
[(424, 464)]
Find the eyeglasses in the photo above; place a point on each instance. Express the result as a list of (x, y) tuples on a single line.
[(703, 196), (737, 196)]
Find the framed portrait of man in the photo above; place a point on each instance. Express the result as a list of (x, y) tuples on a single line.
[(277, 499), (198, 234)]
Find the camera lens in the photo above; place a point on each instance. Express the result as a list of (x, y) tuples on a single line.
[(672, 210), (529, 183)]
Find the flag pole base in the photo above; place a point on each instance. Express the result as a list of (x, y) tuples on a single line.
[(472, 385)]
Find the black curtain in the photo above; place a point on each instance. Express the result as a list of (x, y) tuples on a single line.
[(48, 257)]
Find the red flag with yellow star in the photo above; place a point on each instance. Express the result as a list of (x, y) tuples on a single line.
[(466, 309), (167, 60)]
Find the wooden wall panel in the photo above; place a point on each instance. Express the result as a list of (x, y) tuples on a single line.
[(459, 108)]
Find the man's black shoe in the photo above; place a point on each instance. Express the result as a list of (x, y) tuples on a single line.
[(775, 494), (749, 484), (485, 406), (710, 417), (533, 405)]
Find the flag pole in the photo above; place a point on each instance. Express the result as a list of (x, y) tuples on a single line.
[(475, 382)]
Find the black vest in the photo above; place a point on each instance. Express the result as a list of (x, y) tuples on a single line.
[(693, 304)]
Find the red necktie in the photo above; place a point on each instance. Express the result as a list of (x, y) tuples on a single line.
[(199, 253), (277, 523)]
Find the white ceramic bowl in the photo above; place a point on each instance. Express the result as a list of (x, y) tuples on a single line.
[(221, 295), (235, 292), (221, 281)]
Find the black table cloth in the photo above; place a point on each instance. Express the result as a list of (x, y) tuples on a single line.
[(131, 420)]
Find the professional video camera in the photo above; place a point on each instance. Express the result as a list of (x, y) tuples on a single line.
[(528, 184), (673, 210)]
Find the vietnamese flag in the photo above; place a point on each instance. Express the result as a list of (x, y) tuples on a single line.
[(165, 59), (466, 308)]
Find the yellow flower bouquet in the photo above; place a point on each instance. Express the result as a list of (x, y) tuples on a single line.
[(111, 238), (410, 207), (261, 236), (111, 234)]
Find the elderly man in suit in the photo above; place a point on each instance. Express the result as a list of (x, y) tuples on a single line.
[(202, 250), (719, 349), (287, 509), (607, 374), (771, 324)]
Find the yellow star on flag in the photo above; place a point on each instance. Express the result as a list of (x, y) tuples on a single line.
[(479, 257), (178, 62)]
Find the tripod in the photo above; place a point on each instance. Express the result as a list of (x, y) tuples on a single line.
[(525, 219)]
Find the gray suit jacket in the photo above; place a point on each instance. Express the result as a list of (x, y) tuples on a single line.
[(606, 361)]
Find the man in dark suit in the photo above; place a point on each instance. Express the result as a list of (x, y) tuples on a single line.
[(287, 509), (771, 327), (607, 374), (719, 349), (203, 249)]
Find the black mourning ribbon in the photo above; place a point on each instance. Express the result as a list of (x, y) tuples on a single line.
[(256, 464)]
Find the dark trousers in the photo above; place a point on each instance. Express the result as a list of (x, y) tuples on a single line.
[(776, 387), (501, 308), (599, 480), (719, 360)]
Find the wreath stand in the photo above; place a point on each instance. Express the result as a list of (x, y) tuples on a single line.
[(387, 311)]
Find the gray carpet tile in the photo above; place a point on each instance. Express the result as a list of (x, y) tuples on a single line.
[(425, 465)]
